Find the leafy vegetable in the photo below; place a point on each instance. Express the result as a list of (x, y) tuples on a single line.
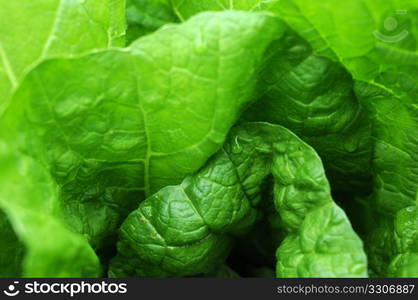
[(311, 95), (117, 154), (314, 97), (29, 211), (153, 117), (184, 230), (394, 166), (391, 70), (376, 42), (405, 263), (31, 31)]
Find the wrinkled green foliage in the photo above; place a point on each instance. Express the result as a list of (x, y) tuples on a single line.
[(388, 61), (363, 122), (136, 135), (132, 147), (185, 229), (146, 16), (405, 263), (37, 241)]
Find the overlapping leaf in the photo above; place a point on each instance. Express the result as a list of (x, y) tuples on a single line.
[(186, 229), (117, 125), (35, 240)]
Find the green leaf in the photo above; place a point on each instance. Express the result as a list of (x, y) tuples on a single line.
[(116, 125), (357, 33), (308, 94), (31, 31), (146, 16), (405, 263), (377, 42), (186, 229), (395, 123), (313, 96), (29, 213), (187, 8)]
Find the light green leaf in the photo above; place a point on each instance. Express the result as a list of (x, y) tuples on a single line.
[(31, 31), (395, 123), (377, 42), (357, 33), (115, 126), (405, 263), (186, 229), (146, 16), (308, 94), (35, 241)]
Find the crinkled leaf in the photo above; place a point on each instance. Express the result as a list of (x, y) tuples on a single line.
[(117, 125), (313, 96), (368, 36), (146, 16), (35, 240), (187, 8), (405, 262), (186, 229), (377, 42)]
